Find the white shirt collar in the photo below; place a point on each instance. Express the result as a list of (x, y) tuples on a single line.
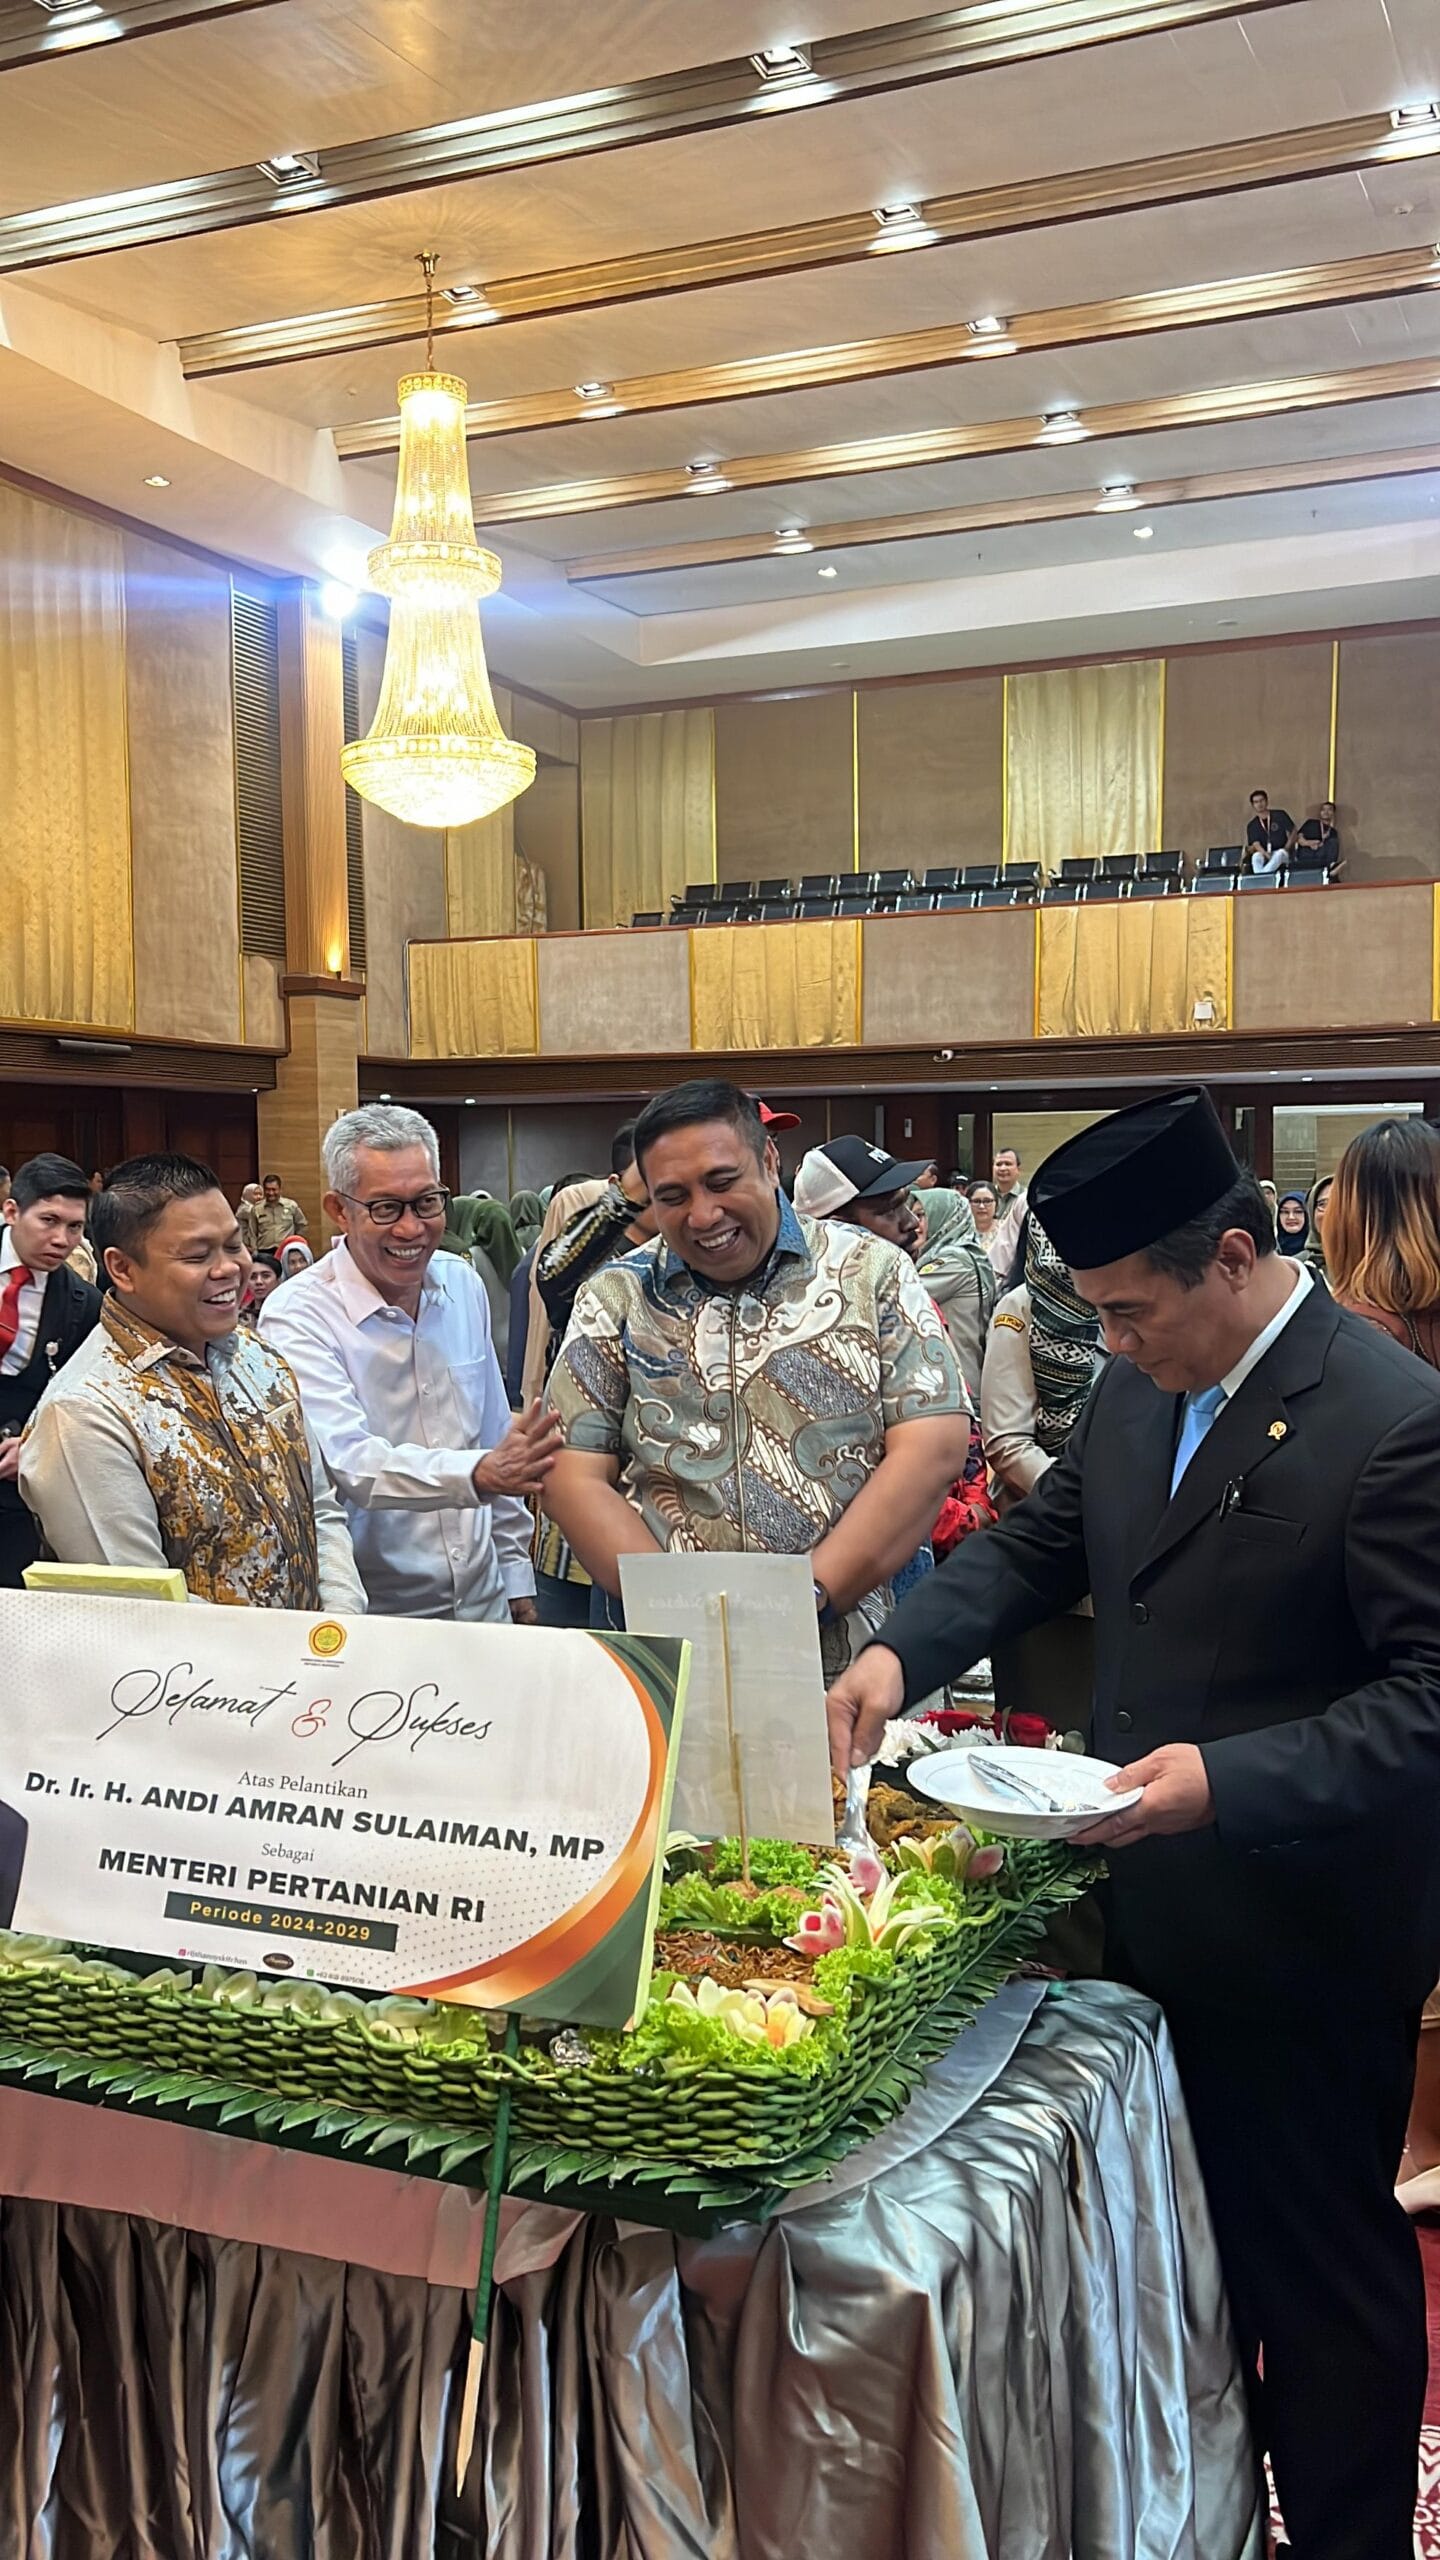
[(359, 1297), (1300, 1290)]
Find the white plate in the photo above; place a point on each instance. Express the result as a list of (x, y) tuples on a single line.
[(957, 1779)]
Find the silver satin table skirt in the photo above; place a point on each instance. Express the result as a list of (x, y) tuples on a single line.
[(1005, 2341)]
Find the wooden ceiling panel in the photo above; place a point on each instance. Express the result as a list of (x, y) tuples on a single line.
[(329, 72)]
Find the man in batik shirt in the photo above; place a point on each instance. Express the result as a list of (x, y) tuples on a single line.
[(177, 1436), (757, 1382)]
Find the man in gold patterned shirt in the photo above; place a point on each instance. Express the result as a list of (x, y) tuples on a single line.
[(755, 1383), (179, 1438)]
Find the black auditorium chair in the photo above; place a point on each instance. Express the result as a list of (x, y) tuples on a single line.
[(945, 876), (809, 909), (775, 889), (915, 902), (1079, 866), (1222, 857), (776, 911), (979, 875), (1151, 884), (1261, 880), (1170, 864), (1119, 866), (819, 884), (1001, 895), (1309, 875), (1212, 884), (1021, 876), (891, 884), (652, 915), (1063, 892), (736, 892), (949, 899), (701, 893)]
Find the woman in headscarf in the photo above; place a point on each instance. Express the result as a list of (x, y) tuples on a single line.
[(1041, 1363), (958, 1273), (1292, 1225), (480, 1229), (295, 1255), (527, 1216), (1317, 1204)]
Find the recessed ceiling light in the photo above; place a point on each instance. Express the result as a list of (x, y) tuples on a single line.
[(783, 62), (1143, 532), (1116, 498), (704, 476), (827, 572), (289, 168), (70, 12), (592, 390), (901, 226), (1062, 426), (156, 480), (470, 1101), (385, 1097), (792, 537), (1406, 119), (338, 600), (987, 326)]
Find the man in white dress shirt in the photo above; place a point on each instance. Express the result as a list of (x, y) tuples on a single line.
[(390, 1340)]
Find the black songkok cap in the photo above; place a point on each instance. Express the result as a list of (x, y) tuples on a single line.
[(1133, 1178)]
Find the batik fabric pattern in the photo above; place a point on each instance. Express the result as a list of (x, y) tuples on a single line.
[(221, 1442), (748, 1419)]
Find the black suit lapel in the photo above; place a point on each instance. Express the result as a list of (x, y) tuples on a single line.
[(1247, 1431)]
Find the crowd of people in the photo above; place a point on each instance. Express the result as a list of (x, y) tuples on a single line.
[(945, 1395)]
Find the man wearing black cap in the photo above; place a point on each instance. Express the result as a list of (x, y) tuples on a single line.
[(867, 1187), (1252, 1497)]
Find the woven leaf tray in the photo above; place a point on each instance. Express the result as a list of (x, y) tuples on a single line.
[(690, 2144)]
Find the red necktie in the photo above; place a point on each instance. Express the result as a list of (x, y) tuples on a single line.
[(15, 1280)]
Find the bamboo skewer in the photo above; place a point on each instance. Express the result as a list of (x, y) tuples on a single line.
[(737, 1763), (496, 2168)]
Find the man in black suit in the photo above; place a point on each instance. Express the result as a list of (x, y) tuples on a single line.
[(1252, 1497), (45, 1313)]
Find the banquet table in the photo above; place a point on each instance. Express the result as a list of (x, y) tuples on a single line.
[(996, 2334)]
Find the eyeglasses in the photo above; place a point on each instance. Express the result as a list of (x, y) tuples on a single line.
[(385, 1213)]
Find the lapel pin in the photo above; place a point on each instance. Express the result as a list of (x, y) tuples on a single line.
[(1278, 1430)]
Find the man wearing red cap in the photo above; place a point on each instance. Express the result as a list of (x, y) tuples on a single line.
[(1252, 1498)]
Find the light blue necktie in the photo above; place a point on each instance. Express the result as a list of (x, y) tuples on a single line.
[(1200, 1412)]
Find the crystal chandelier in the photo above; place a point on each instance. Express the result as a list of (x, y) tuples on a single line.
[(436, 755)]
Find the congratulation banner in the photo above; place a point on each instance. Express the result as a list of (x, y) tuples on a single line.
[(476, 1813)]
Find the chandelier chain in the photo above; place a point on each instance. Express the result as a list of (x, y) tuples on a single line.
[(426, 261)]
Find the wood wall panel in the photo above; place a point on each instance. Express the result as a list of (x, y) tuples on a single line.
[(1238, 721), (1387, 763), (182, 795), (404, 886), (315, 1082), (609, 995), (931, 774), (1345, 958), (312, 789), (949, 978), (784, 800)]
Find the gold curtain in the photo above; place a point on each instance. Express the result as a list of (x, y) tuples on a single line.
[(647, 810), (775, 986), (480, 864), (1130, 965), (1083, 761), (473, 1000), (65, 938)]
